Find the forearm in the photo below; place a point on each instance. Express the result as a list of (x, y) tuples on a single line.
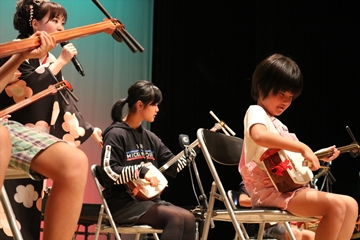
[(122, 175), (244, 200), (8, 70), (272, 140), (56, 67)]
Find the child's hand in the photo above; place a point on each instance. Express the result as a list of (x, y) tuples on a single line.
[(311, 159), (97, 135), (151, 177), (47, 43), (5, 118), (334, 153), (67, 53)]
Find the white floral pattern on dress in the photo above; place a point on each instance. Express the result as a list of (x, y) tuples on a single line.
[(4, 224), (71, 125), (41, 126), (26, 195), (18, 91)]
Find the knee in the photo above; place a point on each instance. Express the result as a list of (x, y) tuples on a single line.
[(308, 235), (189, 220), (297, 233), (75, 163), (351, 206), (344, 207), (5, 139), (79, 163), (5, 146), (185, 218)]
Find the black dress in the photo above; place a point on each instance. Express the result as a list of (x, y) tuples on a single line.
[(50, 114)]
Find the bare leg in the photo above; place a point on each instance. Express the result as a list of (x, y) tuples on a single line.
[(67, 166), (297, 234), (301, 234), (5, 152), (308, 235), (338, 212)]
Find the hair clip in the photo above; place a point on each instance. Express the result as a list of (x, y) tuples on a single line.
[(31, 13), (31, 8), (38, 2)]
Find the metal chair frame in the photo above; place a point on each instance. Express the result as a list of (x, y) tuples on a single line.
[(12, 173), (226, 150), (105, 214)]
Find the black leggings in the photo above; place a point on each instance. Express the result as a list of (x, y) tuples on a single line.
[(177, 223)]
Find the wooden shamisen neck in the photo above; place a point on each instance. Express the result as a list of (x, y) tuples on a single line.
[(347, 148)]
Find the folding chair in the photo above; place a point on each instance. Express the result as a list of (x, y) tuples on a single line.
[(105, 216), (226, 150), (12, 173)]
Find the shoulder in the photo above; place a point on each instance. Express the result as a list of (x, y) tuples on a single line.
[(151, 135), (115, 130), (255, 114), (255, 109)]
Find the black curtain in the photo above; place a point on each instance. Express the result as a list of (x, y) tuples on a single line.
[(203, 58)]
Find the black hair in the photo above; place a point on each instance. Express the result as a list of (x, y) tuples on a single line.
[(40, 9), (276, 73), (143, 91)]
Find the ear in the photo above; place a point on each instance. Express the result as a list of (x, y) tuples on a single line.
[(139, 104), (35, 25)]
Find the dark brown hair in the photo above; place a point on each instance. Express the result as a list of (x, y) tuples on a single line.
[(142, 90), (276, 73), (40, 9)]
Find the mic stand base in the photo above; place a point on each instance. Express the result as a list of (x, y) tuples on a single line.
[(204, 203)]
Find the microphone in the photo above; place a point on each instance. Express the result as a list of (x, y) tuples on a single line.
[(75, 61), (184, 143), (353, 153)]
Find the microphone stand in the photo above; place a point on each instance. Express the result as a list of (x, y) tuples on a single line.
[(203, 204), (202, 197), (120, 35), (329, 179)]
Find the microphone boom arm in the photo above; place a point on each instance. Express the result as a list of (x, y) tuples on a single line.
[(122, 34)]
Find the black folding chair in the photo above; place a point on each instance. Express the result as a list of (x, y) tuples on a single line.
[(12, 173), (226, 150), (106, 223)]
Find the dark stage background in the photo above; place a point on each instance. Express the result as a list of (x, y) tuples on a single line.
[(204, 56)]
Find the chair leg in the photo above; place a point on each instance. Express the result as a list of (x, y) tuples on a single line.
[(261, 231), (137, 237), (98, 225), (206, 227), (10, 215), (246, 235), (288, 228), (156, 237)]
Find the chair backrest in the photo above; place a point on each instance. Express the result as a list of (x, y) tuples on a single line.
[(105, 215), (234, 198), (95, 170), (222, 148), (96, 173), (225, 150)]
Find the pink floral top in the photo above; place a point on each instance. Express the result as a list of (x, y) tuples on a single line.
[(260, 187)]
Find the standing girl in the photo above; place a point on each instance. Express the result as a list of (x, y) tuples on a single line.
[(127, 147), (276, 82)]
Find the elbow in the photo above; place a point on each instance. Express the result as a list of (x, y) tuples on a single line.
[(258, 138)]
